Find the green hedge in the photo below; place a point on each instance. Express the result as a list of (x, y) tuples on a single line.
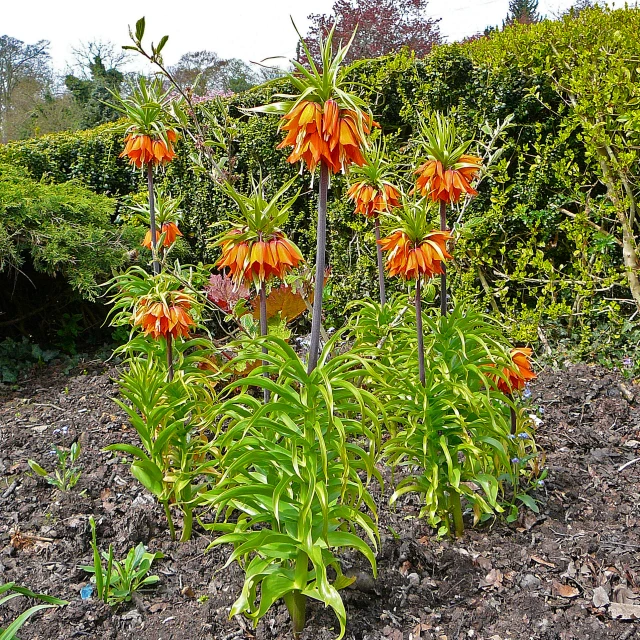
[(518, 253)]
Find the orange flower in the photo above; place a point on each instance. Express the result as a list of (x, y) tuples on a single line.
[(410, 261), (142, 149), (517, 377), (161, 318), (325, 133), (171, 231), (258, 260), (448, 184), (370, 200)]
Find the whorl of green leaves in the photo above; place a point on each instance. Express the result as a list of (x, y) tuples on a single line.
[(292, 471)]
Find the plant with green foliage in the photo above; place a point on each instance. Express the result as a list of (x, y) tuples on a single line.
[(118, 580), (452, 434), (10, 590), (62, 230), (65, 476), (295, 472), (170, 394)]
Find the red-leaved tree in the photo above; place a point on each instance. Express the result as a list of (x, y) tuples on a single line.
[(384, 26)]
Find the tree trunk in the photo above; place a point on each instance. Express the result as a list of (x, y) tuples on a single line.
[(629, 246)]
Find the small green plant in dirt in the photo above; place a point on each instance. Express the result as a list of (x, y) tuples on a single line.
[(10, 590), (117, 581), (66, 475)]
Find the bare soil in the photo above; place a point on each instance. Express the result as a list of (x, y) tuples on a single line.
[(570, 572)]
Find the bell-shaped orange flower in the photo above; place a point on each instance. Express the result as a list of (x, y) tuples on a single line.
[(371, 200), (325, 132), (171, 231), (142, 149), (164, 317), (448, 184), (410, 259), (518, 376), (258, 260)]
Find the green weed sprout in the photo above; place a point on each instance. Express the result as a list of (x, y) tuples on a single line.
[(65, 476), (118, 580)]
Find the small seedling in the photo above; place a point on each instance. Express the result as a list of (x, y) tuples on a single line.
[(118, 580), (65, 475)]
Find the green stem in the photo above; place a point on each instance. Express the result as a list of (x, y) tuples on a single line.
[(187, 523), (456, 511), (321, 245), (152, 217), (264, 331), (420, 334), (443, 276), (297, 605), (383, 297), (167, 513)]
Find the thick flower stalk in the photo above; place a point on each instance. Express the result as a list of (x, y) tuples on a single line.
[(327, 127), (446, 174), (373, 194), (256, 249), (416, 252), (149, 139)]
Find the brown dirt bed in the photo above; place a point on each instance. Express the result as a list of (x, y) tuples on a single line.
[(534, 579)]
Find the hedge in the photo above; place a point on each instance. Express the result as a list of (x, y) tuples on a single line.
[(519, 254)]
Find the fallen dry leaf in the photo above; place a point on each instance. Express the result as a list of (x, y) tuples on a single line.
[(564, 590), (493, 580), (543, 562), (483, 563)]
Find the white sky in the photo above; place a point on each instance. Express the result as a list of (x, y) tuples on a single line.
[(248, 29)]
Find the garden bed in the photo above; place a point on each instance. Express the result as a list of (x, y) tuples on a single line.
[(532, 579)]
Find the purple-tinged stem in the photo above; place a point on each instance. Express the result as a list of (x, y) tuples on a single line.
[(170, 356), (383, 297), (152, 216), (321, 245), (443, 276), (420, 335), (264, 331)]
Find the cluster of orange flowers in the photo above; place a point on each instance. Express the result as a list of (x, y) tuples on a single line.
[(447, 184), (258, 260), (410, 261), (143, 150), (171, 232), (520, 375), (328, 134), (370, 200), (160, 318)]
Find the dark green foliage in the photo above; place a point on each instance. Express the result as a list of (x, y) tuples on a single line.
[(523, 12), (519, 253), (58, 243), (93, 94)]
